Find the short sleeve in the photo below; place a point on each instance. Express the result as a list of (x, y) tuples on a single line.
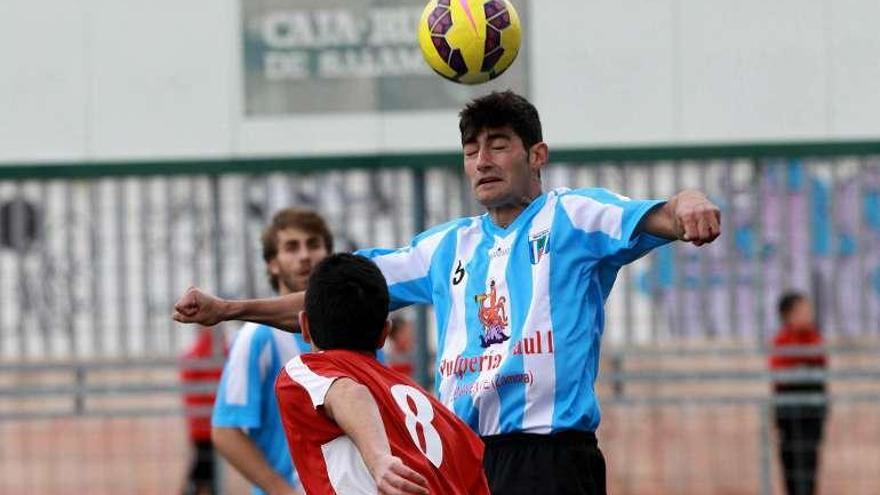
[(240, 392), (313, 374), (612, 224), (407, 270)]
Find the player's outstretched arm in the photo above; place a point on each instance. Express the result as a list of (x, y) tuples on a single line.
[(688, 216), (353, 408), (195, 306)]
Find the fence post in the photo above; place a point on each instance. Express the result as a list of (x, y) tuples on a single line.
[(422, 354), (79, 401)]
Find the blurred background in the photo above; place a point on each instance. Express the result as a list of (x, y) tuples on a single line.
[(144, 146)]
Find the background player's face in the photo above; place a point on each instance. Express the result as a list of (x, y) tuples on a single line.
[(801, 314), (499, 168), (298, 253)]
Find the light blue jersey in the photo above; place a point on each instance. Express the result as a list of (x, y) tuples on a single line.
[(246, 395), (520, 310)]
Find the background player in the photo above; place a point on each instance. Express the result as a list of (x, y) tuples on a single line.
[(519, 297), (800, 425), (355, 425), (247, 429), (200, 479)]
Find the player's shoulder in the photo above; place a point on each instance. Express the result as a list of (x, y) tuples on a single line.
[(359, 366), (320, 363), (445, 228), (255, 332), (599, 194), (249, 336), (586, 205)]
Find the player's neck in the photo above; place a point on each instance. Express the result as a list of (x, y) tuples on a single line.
[(504, 215)]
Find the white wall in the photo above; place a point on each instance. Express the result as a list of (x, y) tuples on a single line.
[(105, 79)]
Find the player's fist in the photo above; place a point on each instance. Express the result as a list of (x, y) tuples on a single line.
[(195, 306), (394, 478), (697, 219)]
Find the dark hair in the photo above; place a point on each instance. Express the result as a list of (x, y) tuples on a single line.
[(788, 301), (500, 109), (347, 303), (292, 218)]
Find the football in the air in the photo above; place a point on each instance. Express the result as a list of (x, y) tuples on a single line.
[(469, 41)]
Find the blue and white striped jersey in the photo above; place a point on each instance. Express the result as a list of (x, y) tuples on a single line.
[(246, 394), (520, 310)]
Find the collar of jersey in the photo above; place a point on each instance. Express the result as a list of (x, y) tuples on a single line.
[(523, 217)]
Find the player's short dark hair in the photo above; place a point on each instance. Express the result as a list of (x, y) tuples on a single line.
[(292, 218), (347, 303), (788, 301), (500, 109)]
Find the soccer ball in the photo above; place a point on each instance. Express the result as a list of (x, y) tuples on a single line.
[(469, 41)]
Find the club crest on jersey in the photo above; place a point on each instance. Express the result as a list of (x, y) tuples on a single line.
[(539, 245), (493, 316)]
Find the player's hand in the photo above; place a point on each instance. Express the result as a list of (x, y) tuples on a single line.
[(199, 307), (394, 478), (697, 219)]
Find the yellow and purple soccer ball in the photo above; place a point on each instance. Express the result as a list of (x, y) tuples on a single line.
[(469, 41)]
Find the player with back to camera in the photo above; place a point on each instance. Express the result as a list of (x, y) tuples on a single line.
[(355, 426), (518, 295)]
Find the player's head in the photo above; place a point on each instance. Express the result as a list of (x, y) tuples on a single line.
[(293, 244), (795, 309), (346, 305), (503, 148)]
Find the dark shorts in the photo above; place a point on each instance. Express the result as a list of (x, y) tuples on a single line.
[(568, 462), (202, 466)]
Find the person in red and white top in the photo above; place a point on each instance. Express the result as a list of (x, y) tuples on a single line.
[(801, 407), (353, 425)]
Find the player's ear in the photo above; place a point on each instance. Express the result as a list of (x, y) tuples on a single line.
[(384, 335), (539, 154), (304, 327), (274, 269)]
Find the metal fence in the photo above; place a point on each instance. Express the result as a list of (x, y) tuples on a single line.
[(92, 258)]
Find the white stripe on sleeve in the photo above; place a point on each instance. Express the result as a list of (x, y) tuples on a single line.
[(412, 262), (315, 384), (237, 366), (590, 215)]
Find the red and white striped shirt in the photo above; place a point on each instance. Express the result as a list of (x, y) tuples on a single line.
[(426, 436)]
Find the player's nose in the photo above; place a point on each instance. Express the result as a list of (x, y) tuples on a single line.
[(484, 163), (484, 156)]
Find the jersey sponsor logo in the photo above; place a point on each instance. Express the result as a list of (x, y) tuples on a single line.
[(463, 365), (493, 316), (539, 245), (539, 343), (458, 274), (494, 383)]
